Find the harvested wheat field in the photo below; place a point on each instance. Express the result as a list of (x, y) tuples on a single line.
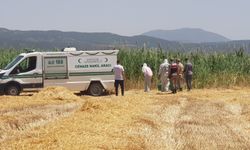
[(200, 119)]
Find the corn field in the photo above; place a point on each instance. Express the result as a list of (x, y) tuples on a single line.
[(7, 55), (210, 69)]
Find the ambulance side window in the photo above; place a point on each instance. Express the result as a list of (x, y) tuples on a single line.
[(28, 64)]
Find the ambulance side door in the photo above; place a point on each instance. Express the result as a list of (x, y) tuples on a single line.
[(29, 72)]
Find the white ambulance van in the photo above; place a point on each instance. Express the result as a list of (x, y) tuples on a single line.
[(90, 71)]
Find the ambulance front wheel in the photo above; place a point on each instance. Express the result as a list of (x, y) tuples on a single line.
[(12, 90), (96, 89)]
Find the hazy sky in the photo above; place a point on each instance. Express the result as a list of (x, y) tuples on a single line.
[(230, 18)]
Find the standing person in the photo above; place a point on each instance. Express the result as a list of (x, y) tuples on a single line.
[(147, 77), (119, 77), (163, 75), (188, 73), (173, 74), (180, 74)]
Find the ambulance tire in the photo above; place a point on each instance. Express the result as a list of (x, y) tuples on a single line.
[(96, 89), (12, 90)]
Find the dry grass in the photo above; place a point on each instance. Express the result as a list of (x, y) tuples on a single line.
[(56, 93), (50, 95), (20, 114), (200, 119)]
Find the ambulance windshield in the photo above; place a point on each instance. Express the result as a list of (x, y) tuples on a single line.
[(11, 64)]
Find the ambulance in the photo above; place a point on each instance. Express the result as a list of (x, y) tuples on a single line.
[(90, 71)]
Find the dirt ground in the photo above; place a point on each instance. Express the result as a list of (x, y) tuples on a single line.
[(200, 119)]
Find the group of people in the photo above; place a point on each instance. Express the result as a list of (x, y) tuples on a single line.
[(171, 75)]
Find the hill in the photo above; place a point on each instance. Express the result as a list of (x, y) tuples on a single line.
[(58, 39), (187, 35), (48, 40)]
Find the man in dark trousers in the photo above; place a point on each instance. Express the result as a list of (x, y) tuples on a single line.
[(119, 77), (188, 73), (173, 74)]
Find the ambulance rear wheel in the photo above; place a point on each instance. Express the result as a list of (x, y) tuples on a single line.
[(12, 90), (96, 89)]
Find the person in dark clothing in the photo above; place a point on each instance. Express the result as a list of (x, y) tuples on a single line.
[(173, 75), (188, 73)]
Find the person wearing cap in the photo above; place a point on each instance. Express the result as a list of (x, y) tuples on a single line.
[(147, 77), (180, 74), (163, 75)]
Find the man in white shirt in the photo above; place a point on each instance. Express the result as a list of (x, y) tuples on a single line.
[(119, 77)]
